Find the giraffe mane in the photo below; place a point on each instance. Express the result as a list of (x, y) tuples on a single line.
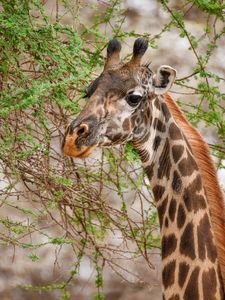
[(213, 192)]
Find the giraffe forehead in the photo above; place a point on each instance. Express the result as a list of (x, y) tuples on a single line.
[(110, 81), (119, 80)]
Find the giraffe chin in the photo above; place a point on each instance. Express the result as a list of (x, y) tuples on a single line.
[(79, 154)]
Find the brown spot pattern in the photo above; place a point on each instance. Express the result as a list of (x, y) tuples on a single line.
[(174, 132), (169, 244), (192, 200), (166, 222), (183, 272), (209, 284), (187, 246), (187, 165), (158, 191), (191, 291), (157, 103), (156, 142), (177, 182), (149, 171), (126, 124), (164, 161), (168, 274), (162, 210), (158, 124), (172, 209), (197, 183), (148, 112), (177, 151), (205, 240), (181, 216)]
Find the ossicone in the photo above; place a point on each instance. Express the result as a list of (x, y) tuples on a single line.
[(139, 49), (113, 53)]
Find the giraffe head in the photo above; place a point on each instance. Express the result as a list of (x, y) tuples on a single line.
[(118, 109)]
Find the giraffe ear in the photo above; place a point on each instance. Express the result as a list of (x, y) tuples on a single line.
[(113, 53), (163, 79)]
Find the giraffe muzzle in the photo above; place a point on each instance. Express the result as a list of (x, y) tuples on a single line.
[(79, 140)]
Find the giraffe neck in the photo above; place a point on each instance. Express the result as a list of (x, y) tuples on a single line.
[(189, 255)]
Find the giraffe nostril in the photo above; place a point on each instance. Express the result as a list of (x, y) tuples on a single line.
[(83, 128), (80, 131)]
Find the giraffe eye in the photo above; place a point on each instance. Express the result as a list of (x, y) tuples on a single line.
[(133, 99)]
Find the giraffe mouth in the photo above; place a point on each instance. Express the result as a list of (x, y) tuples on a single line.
[(78, 154)]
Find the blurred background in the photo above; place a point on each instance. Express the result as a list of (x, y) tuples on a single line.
[(88, 229)]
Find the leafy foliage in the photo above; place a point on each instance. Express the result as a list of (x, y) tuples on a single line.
[(45, 66)]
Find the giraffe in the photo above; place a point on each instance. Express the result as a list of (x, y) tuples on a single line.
[(128, 102)]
